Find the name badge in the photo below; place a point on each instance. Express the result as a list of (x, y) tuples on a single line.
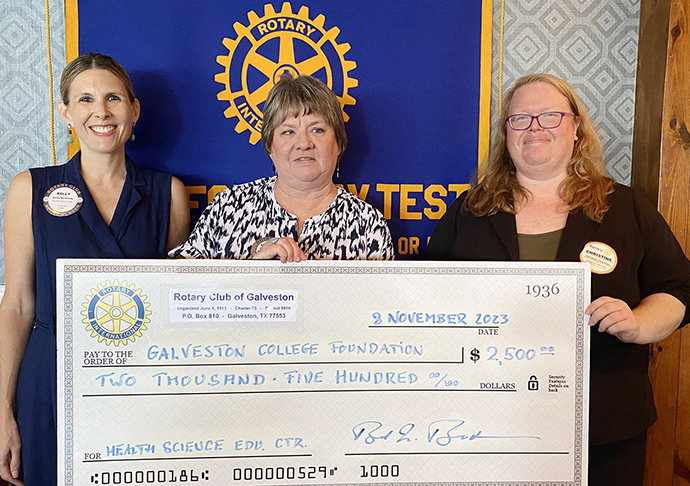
[(600, 256), (63, 200)]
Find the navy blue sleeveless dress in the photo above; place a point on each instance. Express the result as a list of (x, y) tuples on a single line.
[(139, 229)]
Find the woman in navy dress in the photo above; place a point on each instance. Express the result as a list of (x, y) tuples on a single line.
[(98, 205)]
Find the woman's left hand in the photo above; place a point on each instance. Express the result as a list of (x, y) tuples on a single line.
[(284, 248), (654, 318), (614, 317)]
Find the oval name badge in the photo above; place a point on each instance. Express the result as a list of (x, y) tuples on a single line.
[(63, 199), (600, 256)]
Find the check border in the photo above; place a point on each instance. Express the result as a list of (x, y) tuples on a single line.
[(206, 267)]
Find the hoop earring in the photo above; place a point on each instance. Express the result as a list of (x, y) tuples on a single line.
[(70, 138)]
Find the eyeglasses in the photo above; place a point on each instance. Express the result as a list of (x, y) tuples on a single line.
[(548, 120)]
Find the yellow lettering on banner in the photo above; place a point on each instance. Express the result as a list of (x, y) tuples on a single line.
[(408, 246), (244, 110), (437, 206), (414, 245), (362, 193), (283, 23), (434, 201), (249, 115), (458, 189), (406, 201), (194, 190), (409, 196), (213, 192), (387, 190)]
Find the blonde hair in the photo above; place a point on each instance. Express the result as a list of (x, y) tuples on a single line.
[(586, 186)]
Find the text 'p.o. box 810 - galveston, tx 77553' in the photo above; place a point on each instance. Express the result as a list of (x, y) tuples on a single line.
[(249, 373)]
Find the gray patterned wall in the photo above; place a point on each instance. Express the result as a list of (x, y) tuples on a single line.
[(25, 90), (592, 44)]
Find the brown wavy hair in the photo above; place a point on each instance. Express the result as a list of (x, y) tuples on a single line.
[(586, 186)]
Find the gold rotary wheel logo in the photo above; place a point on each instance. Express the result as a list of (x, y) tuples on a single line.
[(278, 44), (116, 313)]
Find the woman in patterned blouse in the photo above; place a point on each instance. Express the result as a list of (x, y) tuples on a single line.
[(298, 214)]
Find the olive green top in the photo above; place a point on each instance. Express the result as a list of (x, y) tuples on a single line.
[(539, 248)]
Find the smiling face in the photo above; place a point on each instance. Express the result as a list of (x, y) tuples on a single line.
[(540, 154), (305, 152), (100, 111)]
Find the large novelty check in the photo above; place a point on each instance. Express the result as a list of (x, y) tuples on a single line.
[(246, 373)]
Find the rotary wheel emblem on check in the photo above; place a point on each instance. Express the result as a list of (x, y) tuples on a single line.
[(275, 45), (116, 313)]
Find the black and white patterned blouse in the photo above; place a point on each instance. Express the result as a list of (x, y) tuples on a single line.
[(349, 229)]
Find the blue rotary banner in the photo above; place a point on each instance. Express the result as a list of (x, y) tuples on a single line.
[(409, 76)]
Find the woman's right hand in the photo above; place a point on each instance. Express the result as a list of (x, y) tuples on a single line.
[(284, 248), (10, 447)]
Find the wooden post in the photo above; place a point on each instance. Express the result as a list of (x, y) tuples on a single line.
[(649, 96), (674, 203), (661, 170)]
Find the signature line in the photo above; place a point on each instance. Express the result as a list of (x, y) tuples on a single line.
[(456, 453)]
